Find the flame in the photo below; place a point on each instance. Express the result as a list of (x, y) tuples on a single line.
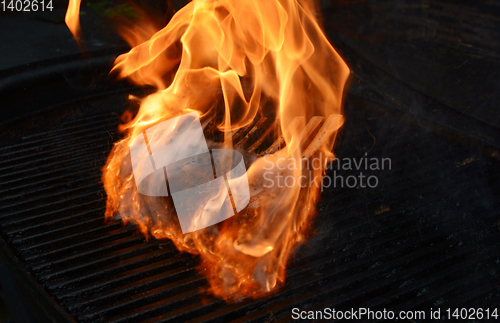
[(72, 18), (235, 61)]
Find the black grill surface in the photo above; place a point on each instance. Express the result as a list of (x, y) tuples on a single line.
[(427, 236)]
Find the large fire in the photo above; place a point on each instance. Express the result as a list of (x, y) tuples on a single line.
[(236, 61)]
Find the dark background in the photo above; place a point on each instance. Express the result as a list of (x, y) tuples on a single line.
[(437, 60)]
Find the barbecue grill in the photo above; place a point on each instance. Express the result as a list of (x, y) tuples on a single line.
[(427, 236)]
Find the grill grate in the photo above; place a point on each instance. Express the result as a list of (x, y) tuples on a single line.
[(425, 237)]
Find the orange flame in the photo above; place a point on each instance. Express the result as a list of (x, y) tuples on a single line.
[(235, 61), (72, 18)]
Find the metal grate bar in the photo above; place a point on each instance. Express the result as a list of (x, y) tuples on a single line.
[(63, 139), (280, 141), (185, 290), (104, 272), (25, 224), (311, 267), (91, 157), (47, 205), (181, 273), (241, 133), (68, 126), (439, 275), (93, 177), (122, 232), (316, 293), (110, 252), (67, 149), (73, 237), (450, 287), (82, 171), (350, 267), (45, 197), (255, 131), (112, 286), (265, 135), (94, 218), (124, 260)]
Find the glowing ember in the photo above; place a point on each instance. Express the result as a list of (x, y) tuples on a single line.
[(236, 61)]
